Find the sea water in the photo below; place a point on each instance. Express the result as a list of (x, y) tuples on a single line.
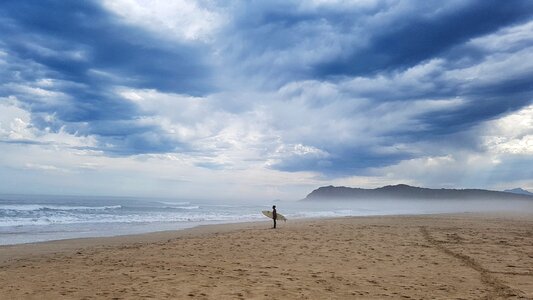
[(25, 219)]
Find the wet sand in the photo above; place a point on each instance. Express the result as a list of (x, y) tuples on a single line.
[(461, 256)]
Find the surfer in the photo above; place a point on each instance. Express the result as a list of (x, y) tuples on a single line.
[(274, 215)]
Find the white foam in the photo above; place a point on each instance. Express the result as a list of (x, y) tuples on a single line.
[(34, 207), (174, 203), (80, 218), (21, 207), (188, 207)]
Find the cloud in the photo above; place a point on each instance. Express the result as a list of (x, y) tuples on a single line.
[(512, 134), (182, 20), (417, 33), (86, 37), (343, 91), (67, 65), (16, 127), (498, 162)]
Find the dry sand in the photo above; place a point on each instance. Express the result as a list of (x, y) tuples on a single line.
[(467, 256)]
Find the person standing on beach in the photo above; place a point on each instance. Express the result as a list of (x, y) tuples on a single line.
[(274, 215)]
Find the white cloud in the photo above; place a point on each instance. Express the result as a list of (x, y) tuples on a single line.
[(508, 39), (502, 164), (48, 168), (511, 134), (75, 54), (181, 19), (14, 121), (457, 170), (16, 126)]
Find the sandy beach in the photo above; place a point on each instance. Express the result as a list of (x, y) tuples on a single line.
[(461, 256)]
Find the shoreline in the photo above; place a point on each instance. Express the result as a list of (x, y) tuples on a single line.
[(459, 255), (49, 246), (70, 244), (194, 227)]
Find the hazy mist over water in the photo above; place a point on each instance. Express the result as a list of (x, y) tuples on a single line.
[(26, 219)]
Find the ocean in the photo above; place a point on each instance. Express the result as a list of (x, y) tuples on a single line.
[(27, 219)]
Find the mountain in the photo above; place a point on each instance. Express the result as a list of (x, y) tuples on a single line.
[(519, 191), (403, 191)]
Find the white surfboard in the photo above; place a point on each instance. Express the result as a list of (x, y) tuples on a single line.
[(268, 213)]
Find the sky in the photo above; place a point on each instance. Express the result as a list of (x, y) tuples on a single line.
[(263, 99)]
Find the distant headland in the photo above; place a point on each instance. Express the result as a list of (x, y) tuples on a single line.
[(403, 191)]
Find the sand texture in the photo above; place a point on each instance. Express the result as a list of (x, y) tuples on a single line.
[(465, 256)]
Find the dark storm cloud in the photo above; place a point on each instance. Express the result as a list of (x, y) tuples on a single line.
[(51, 33), (343, 161), (88, 52), (289, 40), (481, 103), (416, 36), (377, 46)]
